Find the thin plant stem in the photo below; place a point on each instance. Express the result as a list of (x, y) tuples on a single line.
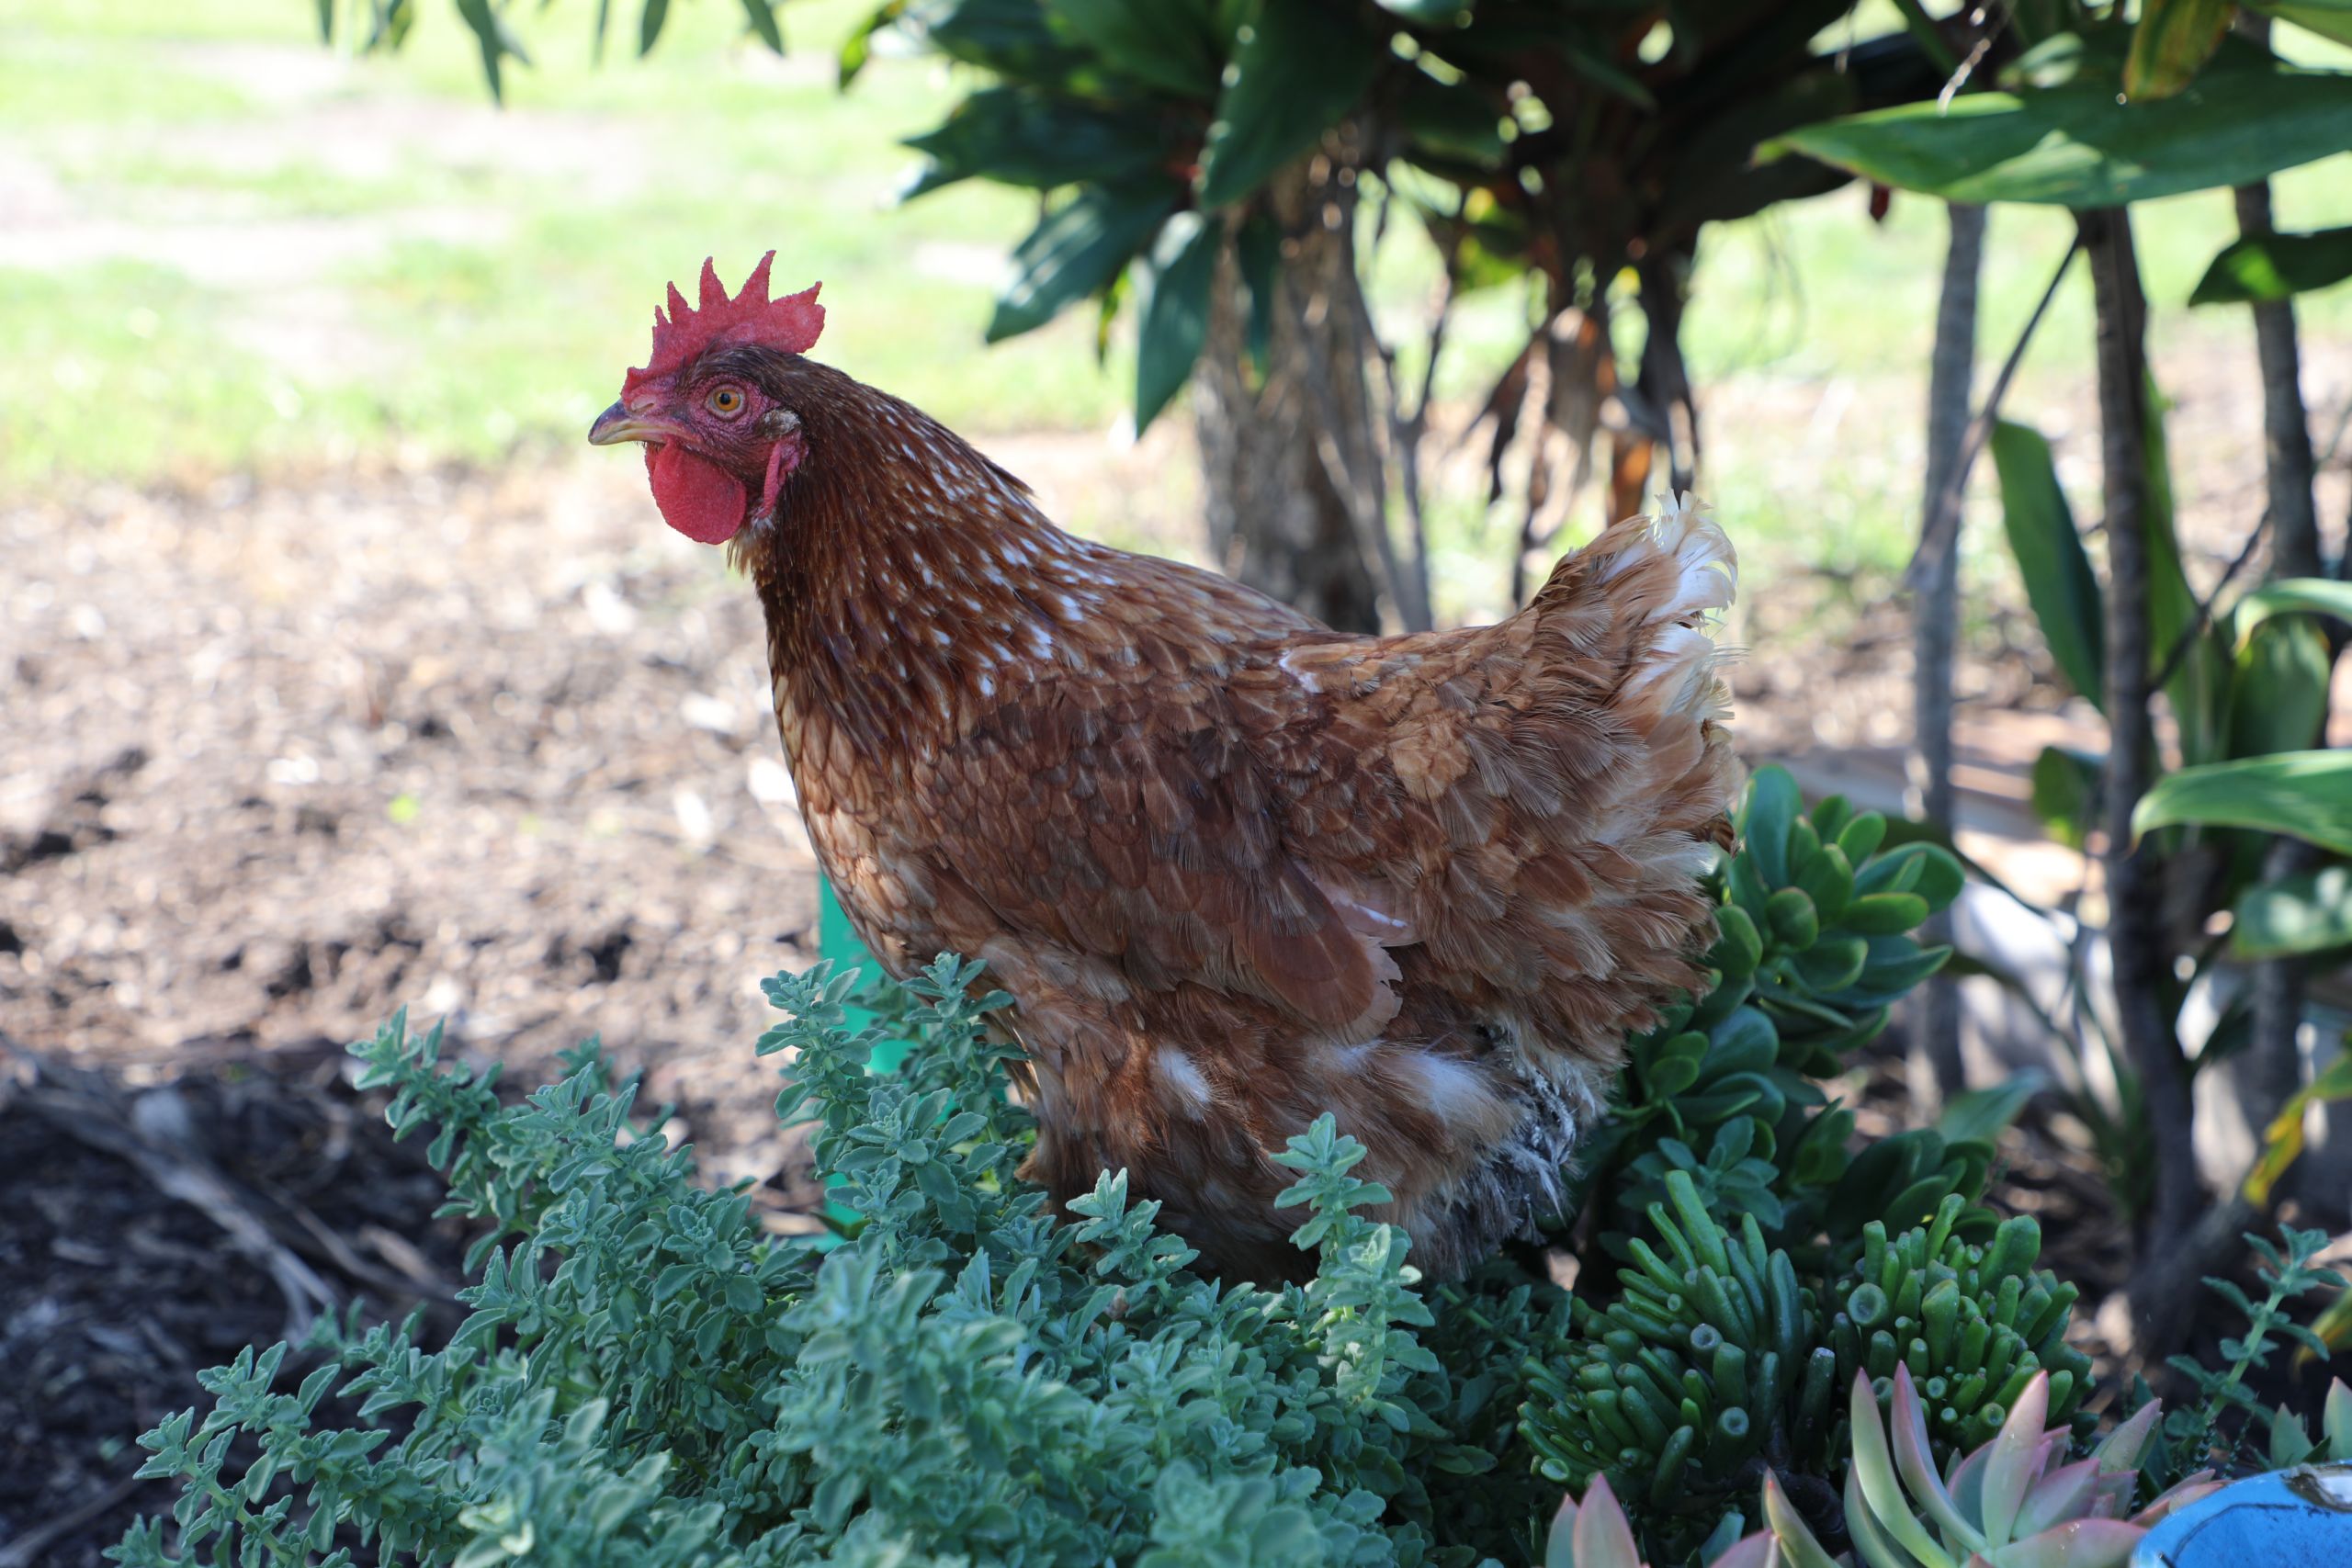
[(1932, 544)]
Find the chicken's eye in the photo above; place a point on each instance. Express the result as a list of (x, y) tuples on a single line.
[(726, 403)]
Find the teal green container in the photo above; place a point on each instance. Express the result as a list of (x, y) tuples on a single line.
[(837, 940)]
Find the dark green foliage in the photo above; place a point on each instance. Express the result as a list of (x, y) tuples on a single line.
[(2060, 132), (646, 1377), (1510, 118)]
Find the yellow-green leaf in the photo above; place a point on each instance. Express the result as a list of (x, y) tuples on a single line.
[(2276, 266), (2283, 1141), (2172, 41)]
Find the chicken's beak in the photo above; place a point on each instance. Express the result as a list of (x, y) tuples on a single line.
[(617, 424)]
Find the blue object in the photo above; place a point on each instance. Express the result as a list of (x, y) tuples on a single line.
[(2290, 1518)]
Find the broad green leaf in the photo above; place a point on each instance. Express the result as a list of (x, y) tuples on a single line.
[(2306, 795), (648, 25), (2292, 595), (2307, 913), (2066, 795), (858, 47), (1429, 13), (1175, 318), (2334, 1327), (1591, 61), (1160, 43), (1983, 1114), (2276, 266), (1453, 119), (1029, 136), (2059, 581), (761, 14), (493, 39), (2171, 42), (2078, 145), (2329, 19), (1079, 248), (2283, 1141), (1302, 66), (2278, 690), (2039, 20), (1012, 38), (1259, 250)]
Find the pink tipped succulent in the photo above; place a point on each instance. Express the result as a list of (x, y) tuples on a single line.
[(2014, 1503), (1595, 1534)]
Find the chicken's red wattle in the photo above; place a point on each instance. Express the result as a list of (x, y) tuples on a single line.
[(697, 497)]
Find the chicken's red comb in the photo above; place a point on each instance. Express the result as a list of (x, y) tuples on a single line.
[(790, 324)]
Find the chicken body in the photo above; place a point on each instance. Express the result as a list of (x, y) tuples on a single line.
[(1235, 869)]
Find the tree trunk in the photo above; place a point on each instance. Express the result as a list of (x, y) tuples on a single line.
[(1661, 390), (1936, 618), (2273, 1068), (2136, 932), (1276, 519)]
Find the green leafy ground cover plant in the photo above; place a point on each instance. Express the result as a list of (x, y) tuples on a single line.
[(646, 1377)]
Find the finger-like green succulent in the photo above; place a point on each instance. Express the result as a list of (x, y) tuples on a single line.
[(1972, 1323), (2013, 1503), (1708, 1356)]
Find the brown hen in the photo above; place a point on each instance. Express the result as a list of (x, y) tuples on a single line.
[(1235, 869)]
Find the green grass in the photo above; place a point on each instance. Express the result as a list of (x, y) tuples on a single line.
[(479, 279), (283, 251)]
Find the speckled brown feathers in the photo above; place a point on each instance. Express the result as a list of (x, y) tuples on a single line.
[(1236, 869)]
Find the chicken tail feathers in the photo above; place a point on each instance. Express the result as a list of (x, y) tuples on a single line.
[(1644, 596), (1676, 566)]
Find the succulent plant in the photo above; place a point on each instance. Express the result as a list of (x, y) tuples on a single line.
[(2290, 1441), (1596, 1534), (1708, 1355), (1813, 946), (2012, 1503), (1832, 917), (1971, 1322)]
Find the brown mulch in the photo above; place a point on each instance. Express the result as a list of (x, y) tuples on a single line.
[(496, 747)]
